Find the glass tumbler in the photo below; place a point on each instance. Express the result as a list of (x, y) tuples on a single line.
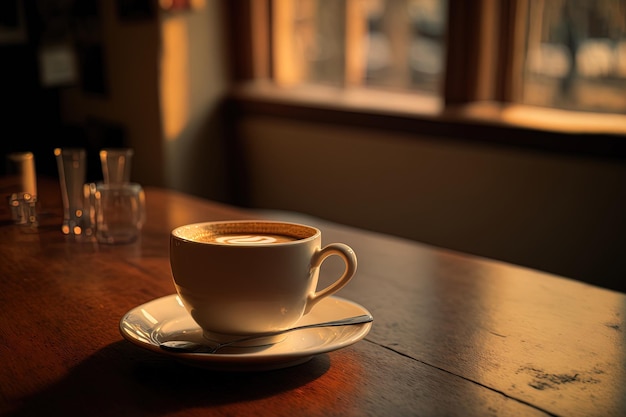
[(23, 187), (71, 163), (116, 164), (120, 212)]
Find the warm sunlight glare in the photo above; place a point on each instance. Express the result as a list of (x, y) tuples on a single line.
[(286, 69), (174, 77), (544, 118)]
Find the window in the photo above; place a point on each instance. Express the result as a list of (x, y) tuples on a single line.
[(395, 44), (568, 54), (576, 55), (502, 63)]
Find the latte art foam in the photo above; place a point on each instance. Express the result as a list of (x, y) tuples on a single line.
[(253, 239)]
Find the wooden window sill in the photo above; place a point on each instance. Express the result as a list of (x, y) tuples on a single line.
[(567, 132)]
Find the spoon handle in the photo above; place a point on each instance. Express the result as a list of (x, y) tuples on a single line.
[(184, 346), (365, 318)]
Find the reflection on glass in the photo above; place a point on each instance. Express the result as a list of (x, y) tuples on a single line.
[(576, 55)]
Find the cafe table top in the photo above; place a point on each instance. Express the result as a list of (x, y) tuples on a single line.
[(453, 334)]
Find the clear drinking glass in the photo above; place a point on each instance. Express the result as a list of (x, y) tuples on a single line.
[(23, 187), (116, 164), (120, 212), (21, 165), (71, 163)]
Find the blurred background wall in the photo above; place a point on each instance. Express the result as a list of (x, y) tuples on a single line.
[(117, 73)]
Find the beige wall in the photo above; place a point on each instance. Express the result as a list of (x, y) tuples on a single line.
[(560, 214), (193, 81), (166, 76)]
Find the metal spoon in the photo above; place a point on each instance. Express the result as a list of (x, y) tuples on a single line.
[(183, 346)]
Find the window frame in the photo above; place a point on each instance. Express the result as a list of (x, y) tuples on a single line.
[(478, 103)]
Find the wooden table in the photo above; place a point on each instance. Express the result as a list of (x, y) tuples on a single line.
[(453, 334)]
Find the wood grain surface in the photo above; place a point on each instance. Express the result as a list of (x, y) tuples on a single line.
[(453, 335)]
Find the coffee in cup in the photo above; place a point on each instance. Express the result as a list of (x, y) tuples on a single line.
[(240, 278), (248, 239)]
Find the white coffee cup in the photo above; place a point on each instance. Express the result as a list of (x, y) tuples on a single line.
[(238, 278)]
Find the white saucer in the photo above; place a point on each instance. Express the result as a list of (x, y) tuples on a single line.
[(165, 319)]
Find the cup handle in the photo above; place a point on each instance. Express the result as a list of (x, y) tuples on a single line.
[(346, 253)]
